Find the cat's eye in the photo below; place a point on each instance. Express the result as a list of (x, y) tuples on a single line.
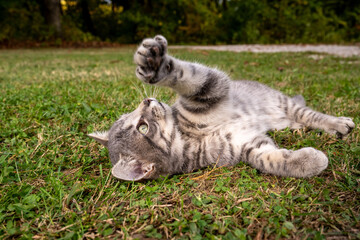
[(143, 128)]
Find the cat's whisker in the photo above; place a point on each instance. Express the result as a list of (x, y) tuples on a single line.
[(147, 95), (155, 92), (152, 92), (137, 88)]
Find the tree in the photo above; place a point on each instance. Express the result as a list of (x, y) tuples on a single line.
[(86, 16), (52, 15)]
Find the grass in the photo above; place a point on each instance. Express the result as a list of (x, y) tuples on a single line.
[(56, 182)]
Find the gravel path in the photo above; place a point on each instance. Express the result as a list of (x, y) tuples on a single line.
[(338, 50)]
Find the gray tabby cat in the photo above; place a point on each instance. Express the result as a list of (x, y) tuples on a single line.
[(214, 121)]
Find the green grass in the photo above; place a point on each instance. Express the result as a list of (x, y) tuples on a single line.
[(55, 182)]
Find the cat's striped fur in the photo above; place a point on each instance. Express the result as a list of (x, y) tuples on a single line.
[(214, 121)]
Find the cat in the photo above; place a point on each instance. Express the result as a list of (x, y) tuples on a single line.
[(215, 121)]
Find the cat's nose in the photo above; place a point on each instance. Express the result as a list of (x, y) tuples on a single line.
[(147, 101)]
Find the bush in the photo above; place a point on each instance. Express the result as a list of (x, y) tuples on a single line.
[(289, 21), (187, 21), (22, 20)]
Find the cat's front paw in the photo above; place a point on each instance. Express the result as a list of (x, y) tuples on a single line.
[(150, 57), (344, 126)]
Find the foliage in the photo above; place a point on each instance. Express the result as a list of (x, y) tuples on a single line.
[(187, 21), (290, 21), (56, 182), (22, 20)]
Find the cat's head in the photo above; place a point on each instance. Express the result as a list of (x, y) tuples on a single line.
[(137, 142)]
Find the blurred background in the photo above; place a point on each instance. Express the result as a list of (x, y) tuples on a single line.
[(67, 22)]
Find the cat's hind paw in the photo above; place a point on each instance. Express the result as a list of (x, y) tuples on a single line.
[(149, 57), (344, 126), (306, 162)]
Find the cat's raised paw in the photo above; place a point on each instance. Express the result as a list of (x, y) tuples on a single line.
[(344, 126), (149, 58)]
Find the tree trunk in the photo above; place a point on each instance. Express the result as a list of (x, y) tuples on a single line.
[(53, 15), (224, 5), (87, 21)]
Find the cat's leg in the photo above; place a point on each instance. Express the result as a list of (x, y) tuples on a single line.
[(199, 86), (302, 116), (262, 154), (341, 126), (299, 100)]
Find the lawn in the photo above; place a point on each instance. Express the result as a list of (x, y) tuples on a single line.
[(56, 182)]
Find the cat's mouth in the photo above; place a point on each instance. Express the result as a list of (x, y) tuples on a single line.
[(134, 170)]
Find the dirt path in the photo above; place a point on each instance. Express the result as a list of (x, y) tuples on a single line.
[(338, 50)]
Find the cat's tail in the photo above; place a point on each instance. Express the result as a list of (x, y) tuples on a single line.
[(299, 100)]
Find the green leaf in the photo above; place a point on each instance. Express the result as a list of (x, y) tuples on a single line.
[(289, 225), (193, 228)]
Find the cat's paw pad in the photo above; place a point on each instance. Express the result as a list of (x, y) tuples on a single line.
[(344, 126), (149, 57)]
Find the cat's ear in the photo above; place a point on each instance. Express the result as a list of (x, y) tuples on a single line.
[(101, 137), (133, 170)]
